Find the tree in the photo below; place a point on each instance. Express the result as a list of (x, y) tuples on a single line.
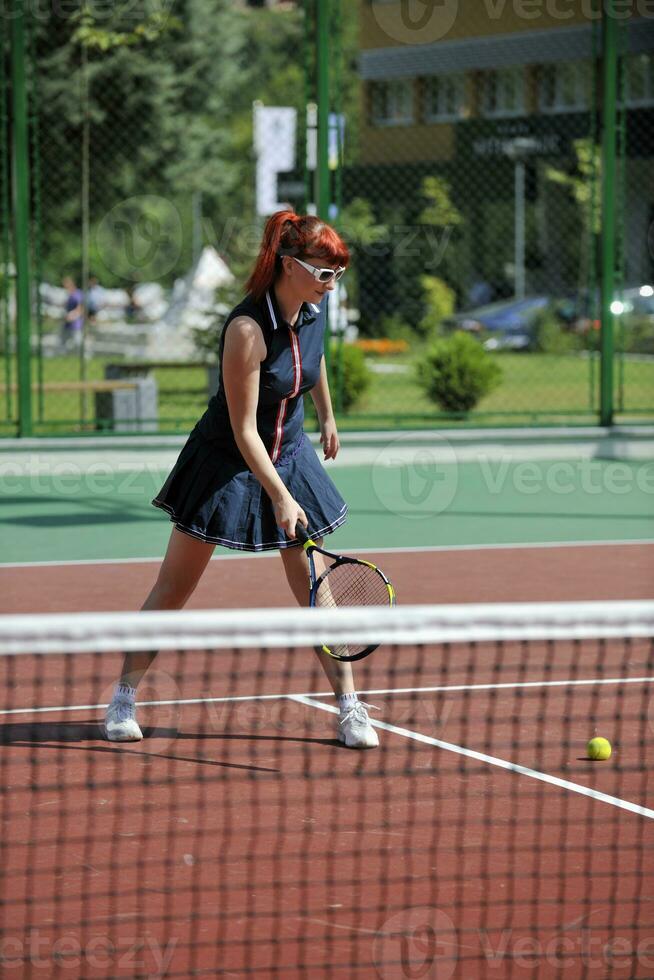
[(166, 103), (583, 185)]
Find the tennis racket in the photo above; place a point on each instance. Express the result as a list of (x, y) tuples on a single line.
[(346, 582)]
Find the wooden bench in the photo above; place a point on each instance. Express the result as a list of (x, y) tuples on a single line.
[(134, 413), (130, 367), (119, 369), (82, 386)]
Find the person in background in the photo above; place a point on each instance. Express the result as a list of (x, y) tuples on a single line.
[(132, 306), (94, 299), (480, 293), (73, 324)]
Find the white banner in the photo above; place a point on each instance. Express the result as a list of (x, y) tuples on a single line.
[(274, 144), (336, 137)]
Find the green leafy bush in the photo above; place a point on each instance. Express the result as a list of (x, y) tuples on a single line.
[(395, 327), (549, 337), (351, 375), (439, 300), (457, 373), (637, 336)]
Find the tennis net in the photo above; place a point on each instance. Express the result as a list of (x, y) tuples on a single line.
[(240, 837)]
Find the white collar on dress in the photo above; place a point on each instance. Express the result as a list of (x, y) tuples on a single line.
[(271, 309)]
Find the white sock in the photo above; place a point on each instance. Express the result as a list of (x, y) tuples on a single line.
[(347, 701), (124, 692)]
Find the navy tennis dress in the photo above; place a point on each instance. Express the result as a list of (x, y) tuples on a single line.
[(211, 493)]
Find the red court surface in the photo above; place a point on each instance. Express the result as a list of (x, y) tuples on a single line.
[(531, 574), (240, 838)]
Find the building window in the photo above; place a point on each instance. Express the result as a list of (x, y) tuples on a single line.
[(444, 98), (503, 92), (564, 86), (392, 103), (639, 79)]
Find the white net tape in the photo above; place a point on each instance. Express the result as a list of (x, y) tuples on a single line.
[(246, 628)]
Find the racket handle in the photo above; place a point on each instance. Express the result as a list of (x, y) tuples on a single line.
[(301, 533)]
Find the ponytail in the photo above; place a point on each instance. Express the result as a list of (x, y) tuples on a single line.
[(287, 233)]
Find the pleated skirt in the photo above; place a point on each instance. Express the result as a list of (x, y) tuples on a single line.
[(212, 496)]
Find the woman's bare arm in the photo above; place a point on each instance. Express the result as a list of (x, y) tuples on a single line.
[(323, 403), (244, 351)]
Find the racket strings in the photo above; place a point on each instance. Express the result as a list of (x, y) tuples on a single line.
[(352, 584)]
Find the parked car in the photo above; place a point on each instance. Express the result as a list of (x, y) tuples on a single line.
[(633, 309), (510, 322), (637, 302)]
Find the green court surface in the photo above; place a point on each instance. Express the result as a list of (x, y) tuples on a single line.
[(67, 512)]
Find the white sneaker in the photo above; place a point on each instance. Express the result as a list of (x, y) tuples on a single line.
[(354, 728), (120, 723)]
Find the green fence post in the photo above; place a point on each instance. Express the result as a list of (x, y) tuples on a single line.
[(324, 195), (21, 220), (5, 219), (322, 169), (337, 60), (309, 89), (609, 140)]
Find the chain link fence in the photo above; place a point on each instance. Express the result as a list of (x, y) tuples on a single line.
[(141, 213), (478, 183), (466, 175)]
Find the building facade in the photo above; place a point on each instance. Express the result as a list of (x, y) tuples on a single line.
[(481, 93)]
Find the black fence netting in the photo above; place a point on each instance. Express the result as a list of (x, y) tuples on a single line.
[(466, 157)]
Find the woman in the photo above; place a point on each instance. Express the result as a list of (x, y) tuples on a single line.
[(248, 473)]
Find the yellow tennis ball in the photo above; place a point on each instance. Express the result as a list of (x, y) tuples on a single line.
[(599, 748)]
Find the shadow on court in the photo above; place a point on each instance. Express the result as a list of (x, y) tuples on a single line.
[(68, 735), (488, 513), (78, 520)]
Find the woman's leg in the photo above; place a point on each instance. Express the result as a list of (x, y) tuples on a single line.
[(185, 560), (296, 566)]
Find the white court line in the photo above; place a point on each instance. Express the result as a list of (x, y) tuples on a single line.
[(492, 760), (327, 694), (155, 704), (509, 685), (412, 549)]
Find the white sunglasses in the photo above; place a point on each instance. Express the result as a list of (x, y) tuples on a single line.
[(322, 275)]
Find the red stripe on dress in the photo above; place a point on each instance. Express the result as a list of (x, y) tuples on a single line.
[(279, 429), (297, 364), (281, 414)]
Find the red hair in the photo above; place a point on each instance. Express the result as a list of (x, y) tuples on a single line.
[(301, 235)]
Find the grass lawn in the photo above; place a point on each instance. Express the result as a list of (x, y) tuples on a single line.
[(535, 387), (182, 396)]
